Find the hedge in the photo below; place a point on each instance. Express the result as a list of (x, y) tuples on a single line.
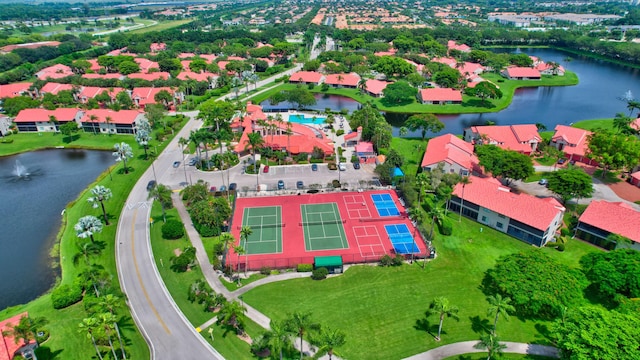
[(65, 295), (305, 267), (320, 273), (172, 229)]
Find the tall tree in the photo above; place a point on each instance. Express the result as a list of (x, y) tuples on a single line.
[(254, 142), (106, 321), (484, 90), (510, 165), (110, 303), (90, 326), (227, 240), (424, 123), (232, 314), (442, 307), (464, 181), (123, 152), (143, 137), (278, 337), (492, 344), (100, 195), (301, 323), (613, 151), (245, 232), (239, 250), (87, 226), (162, 194), (86, 250), (570, 183), (328, 340), (499, 306)]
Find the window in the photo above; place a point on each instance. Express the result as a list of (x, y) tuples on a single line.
[(499, 225), (484, 219)]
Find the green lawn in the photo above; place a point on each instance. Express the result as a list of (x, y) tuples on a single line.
[(595, 124), (23, 142), (161, 25), (178, 285), (390, 303), (469, 104), (504, 356), (412, 150)]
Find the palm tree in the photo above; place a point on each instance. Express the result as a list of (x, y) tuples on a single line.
[(245, 232), (289, 132), (108, 120), (106, 321), (490, 342), (143, 137), (442, 308), (87, 226), (464, 181), (227, 240), (111, 303), (26, 329), (300, 323), (232, 313), (328, 340), (436, 214), (123, 152), (362, 84), (421, 181), (499, 306), (278, 336), (86, 250), (162, 194), (90, 325), (254, 142), (100, 195), (236, 82), (93, 119), (239, 250)]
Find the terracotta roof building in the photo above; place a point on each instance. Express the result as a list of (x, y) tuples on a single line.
[(452, 45), (159, 75), (602, 218), (40, 120), (9, 347), (107, 121), (306, 77), (57, 71), (35, 45), (90, 92), (13, 90), (54, 88), (375, 87), (455, 154), (573, 142), (521, 73), (440, 96), (343, 80), (528, 218), (103, 76), (522, 138)]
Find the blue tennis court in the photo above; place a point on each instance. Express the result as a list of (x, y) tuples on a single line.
[(385, 205), (401, 239)]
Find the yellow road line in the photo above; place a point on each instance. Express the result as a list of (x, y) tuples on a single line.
[(144, 289)]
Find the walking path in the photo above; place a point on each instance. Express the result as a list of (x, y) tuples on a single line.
[(466, 347)]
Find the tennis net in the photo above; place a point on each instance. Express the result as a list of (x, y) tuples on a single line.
[(264, 226), (322, 222)]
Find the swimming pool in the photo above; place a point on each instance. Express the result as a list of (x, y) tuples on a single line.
[(301, 119)]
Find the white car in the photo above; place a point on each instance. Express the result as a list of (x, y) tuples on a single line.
[(342, 167)]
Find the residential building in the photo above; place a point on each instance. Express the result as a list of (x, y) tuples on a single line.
[(210, 78), (452, 45), (354, 137), (34, 45), (526, 217), (159, 75), (634, 179), (573, 142), (143, 96), (364, 152), (9, 346), (306, 77), (522, 138), (54, 88), (107, 121), (455, 154), (117, 76), (440, 96), (602, 218), (90, 92), (156, 47), (343, 80), (57, 71), (513, 19), (43, 120), (375, 88), (550, 68), (146, 65), (521, 73), (13, 90)]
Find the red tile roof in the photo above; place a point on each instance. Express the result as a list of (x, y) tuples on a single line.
[(452, 45), (522, 72), (61, 114), (89, 92), (146, 95), (54, 72), (186, 55), (451, 62), (55, 88), (440, 94), (126, 117), (342, 79), (614, 217), (510, 137), (576, 138), (306, 76), (376, 86), (545, 66), (636, 124), (146, 64), (450, 149), (35, 45), (364, 147), (470, 69), (390, 52), (94, 65), (204, 76), (13, 90), (8, 346), (636, 175), (530, 210), (105, 76), (160, 75)]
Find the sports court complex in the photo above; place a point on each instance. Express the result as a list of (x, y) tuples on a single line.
[(290, 230)]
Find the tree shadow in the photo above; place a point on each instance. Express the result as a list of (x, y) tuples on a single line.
[(69, 139), (479, 325), (478, 103), (121, 171), (544, 335), (425, 325), (45, 353)]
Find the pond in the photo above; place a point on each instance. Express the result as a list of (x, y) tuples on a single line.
[(36, 187), (323, 101)]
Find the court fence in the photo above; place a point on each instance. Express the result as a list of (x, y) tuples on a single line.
[(246, 191)]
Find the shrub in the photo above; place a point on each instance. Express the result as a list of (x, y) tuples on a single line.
[(265, 270), (7, 141), (305, 267), (319, 273), (354, 159), (445, 227), (324, 87), (340, 132), (185, 260), (565, 232), (311, 86), (386, 260), (316, 161), (65, 295), (398, 260), (172, 229), (560, 247)]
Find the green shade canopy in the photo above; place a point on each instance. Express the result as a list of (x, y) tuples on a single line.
[(327, 261)]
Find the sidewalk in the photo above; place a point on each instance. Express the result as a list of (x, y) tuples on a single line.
[(467, 347)]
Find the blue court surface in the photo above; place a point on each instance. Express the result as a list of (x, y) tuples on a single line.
[(385, 205), (401, 239)]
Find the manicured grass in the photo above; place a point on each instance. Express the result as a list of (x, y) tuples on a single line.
[(23, 142), (390, 303), (178, 285), (161, 25), (504, 356), (469, 104), (232, 286), (591, 125), (536, 177), (412, 150)]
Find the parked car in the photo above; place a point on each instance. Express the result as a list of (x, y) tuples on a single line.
[(342, 167), (356, 165), (150, 185), (314, 167), (572, 162), (193, 161), (223, 188), (233, 186), (212, 189), (543, 182), (300, 184), (280, 184), (562, 161), (176, 164), (266, 169)]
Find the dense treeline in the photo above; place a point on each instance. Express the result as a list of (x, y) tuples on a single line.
[(49, 11)]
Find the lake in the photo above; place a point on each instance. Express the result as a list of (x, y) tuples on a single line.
[(31, 209)]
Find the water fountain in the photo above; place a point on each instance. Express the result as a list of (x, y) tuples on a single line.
[(20, 171)]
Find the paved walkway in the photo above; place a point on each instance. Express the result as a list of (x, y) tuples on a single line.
[(467, 347)]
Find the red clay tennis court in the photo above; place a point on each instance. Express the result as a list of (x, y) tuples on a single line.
[(291, 230)]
